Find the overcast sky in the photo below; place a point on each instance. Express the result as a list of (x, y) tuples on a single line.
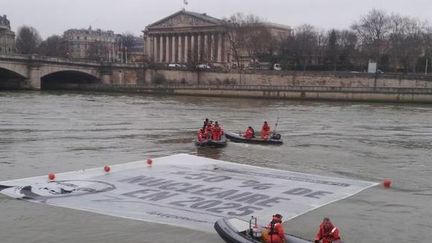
[(55, 16)]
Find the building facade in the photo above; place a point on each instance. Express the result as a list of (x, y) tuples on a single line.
[(7, 37), (192, 38), (186, 37), (92, 44), (135, 53)]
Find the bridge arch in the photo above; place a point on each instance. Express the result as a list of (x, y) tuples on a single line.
[(10, 79), (18, 68), (67, 79)]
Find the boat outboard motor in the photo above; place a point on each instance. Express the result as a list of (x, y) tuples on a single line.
[(276, 136)]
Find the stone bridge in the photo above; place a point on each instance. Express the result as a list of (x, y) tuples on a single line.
[(37, 72)]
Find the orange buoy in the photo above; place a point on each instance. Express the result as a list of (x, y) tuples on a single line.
[(107, 168), (387, 183), (149, 162), (51, 176)]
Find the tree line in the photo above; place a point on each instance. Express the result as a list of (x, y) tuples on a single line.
[(396, 43)]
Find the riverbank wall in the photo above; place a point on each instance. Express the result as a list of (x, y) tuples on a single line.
[(289, 78), (335, 86), (383, 94)]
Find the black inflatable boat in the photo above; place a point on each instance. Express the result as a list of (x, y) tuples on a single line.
[(212, 143), (234, 230), (275, 139)]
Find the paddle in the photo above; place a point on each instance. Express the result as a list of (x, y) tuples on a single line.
[(277, 122), (274, 134)]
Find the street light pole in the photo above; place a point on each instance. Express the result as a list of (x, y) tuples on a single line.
[(426, 67)]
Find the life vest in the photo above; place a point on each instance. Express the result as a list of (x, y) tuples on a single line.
[(249, 133), (329, 235), (274, 233), (217, 132), (265, 131), (201, 136), (273, 230)]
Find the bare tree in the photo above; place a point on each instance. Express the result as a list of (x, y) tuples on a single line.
[(372, 31), (306, 43), (125, 44), (27, 40), (53, 46), (348, 53), (407, 42), (332, 48), (249, 37), (235, 34), (97, 51)]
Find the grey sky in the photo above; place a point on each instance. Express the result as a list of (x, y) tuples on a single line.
[(55, 16)]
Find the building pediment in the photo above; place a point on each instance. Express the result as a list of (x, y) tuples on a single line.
[(185, 19)]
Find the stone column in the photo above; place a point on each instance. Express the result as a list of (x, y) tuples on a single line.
[(167, 49), (173, 49), (219, 50), (199, 47), (224, 52), (161, 48), (193, 44), (212, 47), (155, 42), (147, 48), (153, 46), (205, 48), (186, 48), (150, 46), (180, 49)]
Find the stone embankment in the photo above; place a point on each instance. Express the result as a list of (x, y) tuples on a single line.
[(339, 86)]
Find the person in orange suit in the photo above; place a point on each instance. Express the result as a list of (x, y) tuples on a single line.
[(275, 230), (201, 135), (249, 134), (209, 130), (265, 131), (217, 132), (327, 232)]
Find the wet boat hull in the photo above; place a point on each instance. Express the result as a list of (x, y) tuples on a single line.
[(234, 230), (235, 137), (213, 143)]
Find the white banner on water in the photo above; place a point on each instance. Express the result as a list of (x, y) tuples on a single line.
[(187, 191)]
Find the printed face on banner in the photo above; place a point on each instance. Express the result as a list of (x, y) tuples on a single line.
[(58, 189), (187, 191)]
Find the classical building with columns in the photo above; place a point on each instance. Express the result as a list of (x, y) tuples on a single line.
[(193, 38), (187, 37)]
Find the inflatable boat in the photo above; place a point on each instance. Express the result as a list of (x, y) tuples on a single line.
[(234, 230), (275, 139), (212, 143)]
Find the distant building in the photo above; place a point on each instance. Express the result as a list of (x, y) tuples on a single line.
[(186, 37), (7, 37), (92, 44), (136, 51)]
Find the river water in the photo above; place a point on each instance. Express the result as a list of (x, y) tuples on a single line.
[(41, 132)]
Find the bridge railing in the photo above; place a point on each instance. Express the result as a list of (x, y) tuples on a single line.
[(67, 61)]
